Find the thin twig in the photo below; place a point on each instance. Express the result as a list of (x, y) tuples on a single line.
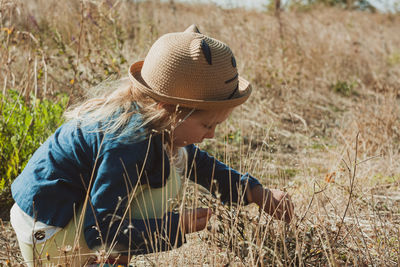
[(352, 178)]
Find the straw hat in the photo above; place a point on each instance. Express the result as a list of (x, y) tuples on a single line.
[(192, 70)]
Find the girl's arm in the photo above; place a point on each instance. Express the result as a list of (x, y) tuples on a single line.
[(231, 184), (204, 169)]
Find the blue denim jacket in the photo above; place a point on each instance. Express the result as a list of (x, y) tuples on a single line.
[(75, 159)]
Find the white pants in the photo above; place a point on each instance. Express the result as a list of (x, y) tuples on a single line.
[(46, 245)]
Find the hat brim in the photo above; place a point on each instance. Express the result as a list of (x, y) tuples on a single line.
[(244, 91)]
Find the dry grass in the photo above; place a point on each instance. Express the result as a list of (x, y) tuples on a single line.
[(320, 78)]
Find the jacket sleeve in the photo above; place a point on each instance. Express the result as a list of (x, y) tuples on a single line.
[(107, 220), (204, 170)]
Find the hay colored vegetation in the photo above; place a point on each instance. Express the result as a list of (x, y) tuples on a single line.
[(323, 122)]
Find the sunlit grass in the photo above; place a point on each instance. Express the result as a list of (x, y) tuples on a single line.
[(319, 77)]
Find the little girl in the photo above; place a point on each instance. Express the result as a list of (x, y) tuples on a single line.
[(99, 189)]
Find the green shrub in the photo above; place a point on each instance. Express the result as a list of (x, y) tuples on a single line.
[(345, 88), (24, 126)]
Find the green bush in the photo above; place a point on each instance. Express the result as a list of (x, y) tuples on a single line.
[(24, 126), (345, 88)]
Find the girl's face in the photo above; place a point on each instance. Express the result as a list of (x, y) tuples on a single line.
[(198, 126)]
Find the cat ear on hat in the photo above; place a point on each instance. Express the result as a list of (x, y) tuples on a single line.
[(192, 28)]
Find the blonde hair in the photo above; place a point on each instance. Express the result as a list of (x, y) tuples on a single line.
[(111, 105)]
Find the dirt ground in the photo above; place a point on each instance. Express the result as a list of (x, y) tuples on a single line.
[(9, 251)]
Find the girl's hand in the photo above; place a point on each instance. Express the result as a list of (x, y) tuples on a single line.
[(273, 201), (195, 220)]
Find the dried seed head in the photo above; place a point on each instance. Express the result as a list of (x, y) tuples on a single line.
[(67, 249)]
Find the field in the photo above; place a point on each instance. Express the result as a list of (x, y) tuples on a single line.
[(322, 123)]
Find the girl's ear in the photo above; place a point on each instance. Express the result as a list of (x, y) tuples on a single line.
[(168, 107), (160, 105)]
